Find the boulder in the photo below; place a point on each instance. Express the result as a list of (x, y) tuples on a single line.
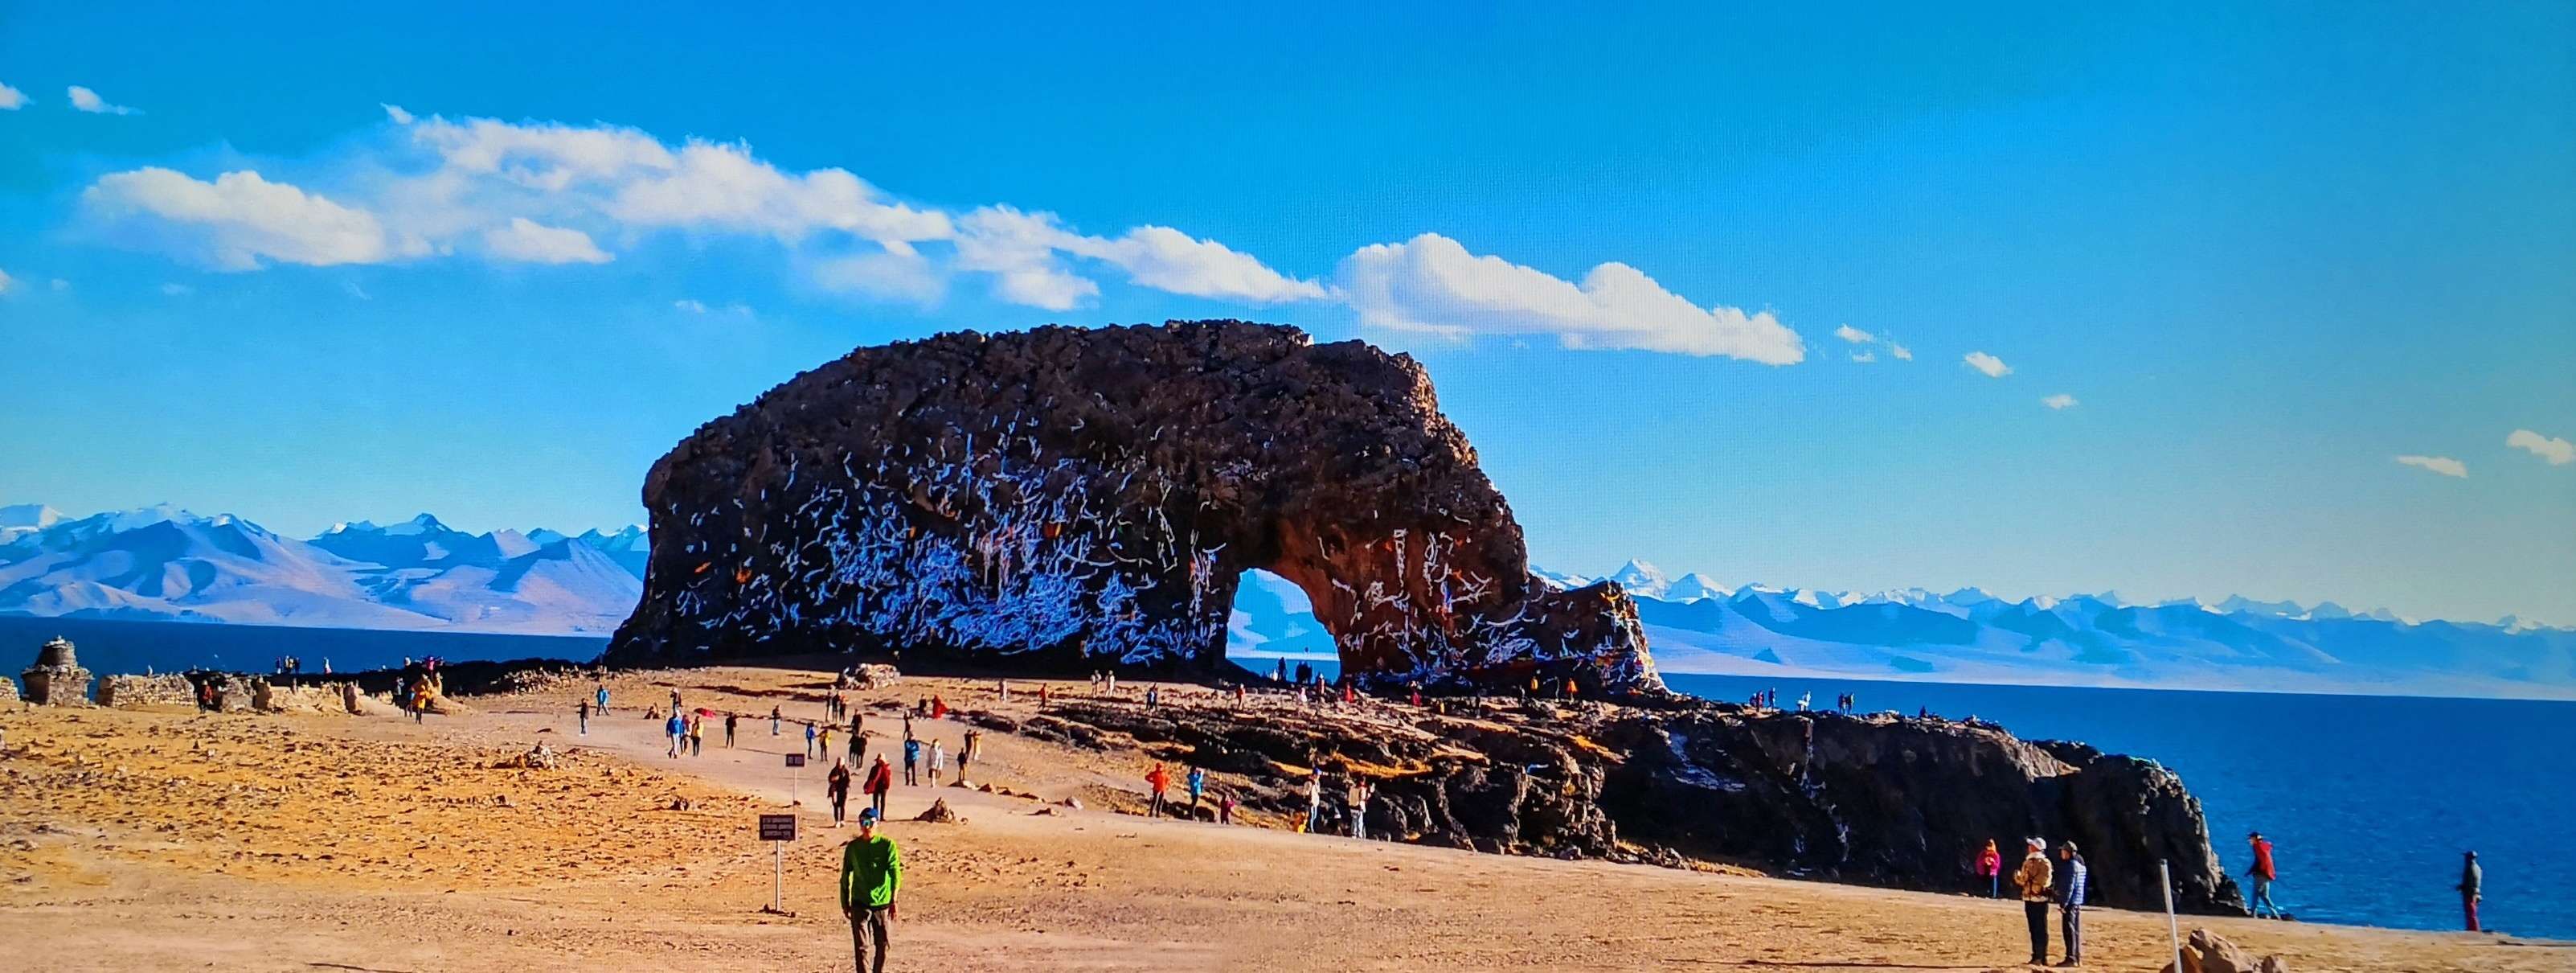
[(939, 814), (1072, 498), (2208, 952)]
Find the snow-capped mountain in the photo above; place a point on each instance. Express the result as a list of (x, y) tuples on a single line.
[(1970, 634), (166, 563)]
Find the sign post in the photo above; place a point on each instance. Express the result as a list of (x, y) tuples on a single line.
[(2173, 927), (778, 830), (795, 773)]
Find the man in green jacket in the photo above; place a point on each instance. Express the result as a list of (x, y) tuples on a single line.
[(871, 873)]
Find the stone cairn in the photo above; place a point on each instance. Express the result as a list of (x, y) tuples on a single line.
[(57, 678)]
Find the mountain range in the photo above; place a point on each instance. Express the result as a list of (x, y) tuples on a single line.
[(1970, 635), (163, 563)]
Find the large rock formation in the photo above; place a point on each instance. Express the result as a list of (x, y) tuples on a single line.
[(1876, 800), (1064, 498)]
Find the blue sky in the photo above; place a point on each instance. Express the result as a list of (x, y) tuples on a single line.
[(2263, 251)]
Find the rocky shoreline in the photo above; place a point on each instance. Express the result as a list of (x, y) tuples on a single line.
[(1879, 800)]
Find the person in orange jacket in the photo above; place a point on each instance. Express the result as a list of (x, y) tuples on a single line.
[(1160, 780)]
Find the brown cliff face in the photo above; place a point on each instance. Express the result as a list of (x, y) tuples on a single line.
[(1067, 498)]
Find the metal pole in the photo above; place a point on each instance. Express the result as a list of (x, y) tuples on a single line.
[(2173, 927), (777, 872)]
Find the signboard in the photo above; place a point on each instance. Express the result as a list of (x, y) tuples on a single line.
[(796, 760), (777, 827)]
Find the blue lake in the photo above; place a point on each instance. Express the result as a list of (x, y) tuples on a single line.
[(2368, 800)]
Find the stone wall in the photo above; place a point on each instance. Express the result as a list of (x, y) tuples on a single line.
[(133, 691)]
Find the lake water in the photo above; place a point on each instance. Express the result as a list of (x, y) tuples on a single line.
[(2369, 800), (107, 647)]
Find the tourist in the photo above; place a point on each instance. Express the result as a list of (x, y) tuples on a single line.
[(730, 717), (698, 735), (679, 729), (773, 721), (1158, 779), (1153, 696), (880, 780), (1990, 866), (809, 738), (938, 761), (1225, 809), (1198, 787), (823, 742), (1314, 799), (1360, 790), (911, 760), (583, 711), (1804, 699), (2034, 880), (1282, 674), (603, 698), (966, 752), (1001, 687), (836, 785), (1416, 689), (871, 874), (675, 699), (2472, 878), (419, 701), (2262, 873), (2070, 904)]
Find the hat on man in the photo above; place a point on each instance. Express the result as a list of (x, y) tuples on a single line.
[(867, 815)]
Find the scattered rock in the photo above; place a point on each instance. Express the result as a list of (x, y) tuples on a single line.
[(2208, 952), (1074, 803)]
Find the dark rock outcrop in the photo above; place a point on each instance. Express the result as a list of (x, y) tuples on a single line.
[(1065, 498), (1880, 800)]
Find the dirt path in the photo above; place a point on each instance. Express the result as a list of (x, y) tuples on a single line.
[(172, 840)]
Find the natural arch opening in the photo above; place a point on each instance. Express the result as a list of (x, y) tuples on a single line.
[(1273, 621)]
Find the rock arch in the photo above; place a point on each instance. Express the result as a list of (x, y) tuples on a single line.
[(1063, 496)]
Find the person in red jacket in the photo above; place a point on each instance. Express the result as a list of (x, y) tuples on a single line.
[(1160, 780), (880, 780), (2263, 873), (1990, 866)]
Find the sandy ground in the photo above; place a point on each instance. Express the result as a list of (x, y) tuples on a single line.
[(174, 840)]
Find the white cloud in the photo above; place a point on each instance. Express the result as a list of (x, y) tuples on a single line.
[(235, 222), (1854, 335), (528, 241), (1992, 366), (893, 274), (427, 187), (1900, 352), (1169, 260), (89, 101), (177, 290), (2061, 401), (1864, 357), (1432, 284), (11, 99), (690, 305), (61, 284), (2439, 464), (6, 282), (2558, 452)]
